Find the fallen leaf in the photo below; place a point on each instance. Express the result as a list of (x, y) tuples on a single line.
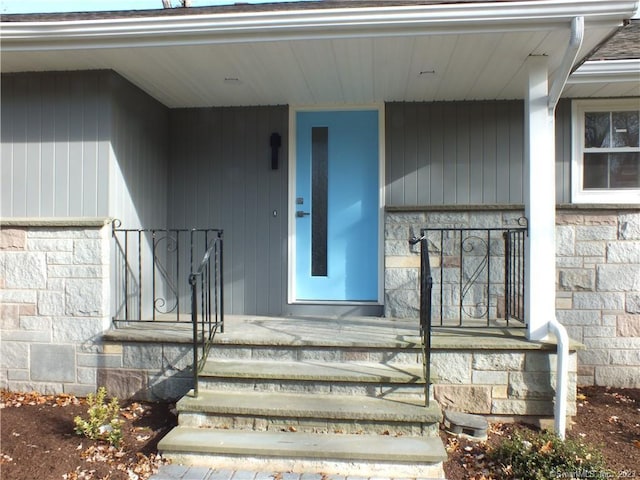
[(546, 448), (453, 445)]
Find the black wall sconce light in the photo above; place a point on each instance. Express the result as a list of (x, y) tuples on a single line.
[(276, 142)]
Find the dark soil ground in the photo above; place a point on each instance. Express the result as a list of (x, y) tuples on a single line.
[(38, 442), (608, 420), (37, 439)]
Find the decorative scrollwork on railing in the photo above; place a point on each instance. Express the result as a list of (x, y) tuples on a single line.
[(478, 245), (152, 269), (161, 303), (479, 275)]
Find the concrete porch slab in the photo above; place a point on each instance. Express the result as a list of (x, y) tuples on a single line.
[(333, 332)]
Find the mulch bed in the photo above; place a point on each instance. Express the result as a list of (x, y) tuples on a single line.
[(608, 420), (37, 438)]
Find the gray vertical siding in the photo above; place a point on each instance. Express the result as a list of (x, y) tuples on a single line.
[(137, 188), (221, 176), (55, 144), (140, 149), (92, 144), (563, 151), (462, 153)]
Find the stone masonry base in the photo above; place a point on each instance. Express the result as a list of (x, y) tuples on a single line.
[(55, 291), (54, 304), (500, 383), (597, 279)]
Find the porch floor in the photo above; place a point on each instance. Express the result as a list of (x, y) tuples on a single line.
[(331, 331)]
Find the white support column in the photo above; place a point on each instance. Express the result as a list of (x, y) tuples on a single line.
[(540, 200)]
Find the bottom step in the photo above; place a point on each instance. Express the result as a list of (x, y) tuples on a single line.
[(377, 455)]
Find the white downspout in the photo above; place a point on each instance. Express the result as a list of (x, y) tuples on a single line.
[(555, 327), (562, 377), (568, 61)]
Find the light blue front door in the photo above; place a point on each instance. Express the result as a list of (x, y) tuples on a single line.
[(337, 205)]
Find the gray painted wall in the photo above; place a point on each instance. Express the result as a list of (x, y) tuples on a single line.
[(82, 144), (138, 189), (221, 177), (55, 144), (92, 144), (563, 152), (140, 150), (462, 153)]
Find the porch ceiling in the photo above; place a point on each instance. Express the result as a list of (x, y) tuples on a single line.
[(345, 62)]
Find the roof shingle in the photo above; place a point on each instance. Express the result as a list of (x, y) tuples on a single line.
[(625, 44)]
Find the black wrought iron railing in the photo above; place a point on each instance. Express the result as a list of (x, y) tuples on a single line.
[(480, 281), (514, 242), (478, 276), (426, 287), (207, 304), (152, 268)]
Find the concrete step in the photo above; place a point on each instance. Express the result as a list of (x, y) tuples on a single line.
[(314, 370), (352, 378), (390, 353), (365, 455), (275, 411)]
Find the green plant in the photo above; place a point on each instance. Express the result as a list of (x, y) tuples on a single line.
[(543, 456), (102, 421)]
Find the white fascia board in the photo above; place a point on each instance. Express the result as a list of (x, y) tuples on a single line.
[(310, 24), (606, 71)]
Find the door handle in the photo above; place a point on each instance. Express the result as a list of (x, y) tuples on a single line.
[(301, 214)]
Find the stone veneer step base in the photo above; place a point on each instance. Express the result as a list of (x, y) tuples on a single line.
[(301, 412)]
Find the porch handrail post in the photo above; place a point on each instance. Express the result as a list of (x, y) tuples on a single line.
[(507, 275), (426, 281), (193, 280), (204, 328), (220, 259), (140, 274), (426, 285)]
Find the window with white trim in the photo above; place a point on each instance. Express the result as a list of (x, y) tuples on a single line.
[(606, 151)]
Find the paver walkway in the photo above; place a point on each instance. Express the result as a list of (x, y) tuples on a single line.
[(181, 472)]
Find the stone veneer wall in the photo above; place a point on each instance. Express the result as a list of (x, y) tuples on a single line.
[(598, 279), (155, 370), (514, 382), (598, 292), (55, 310), (54, 304)]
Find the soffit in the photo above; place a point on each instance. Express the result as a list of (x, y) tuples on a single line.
[(405, 63)]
